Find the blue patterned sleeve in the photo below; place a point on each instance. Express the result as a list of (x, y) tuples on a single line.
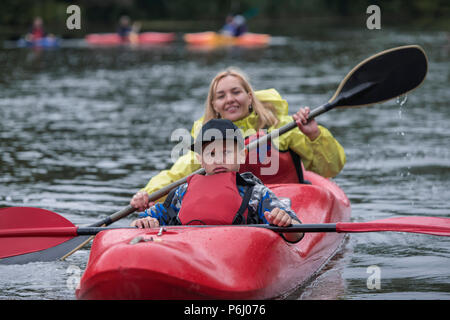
[(268, 201), (159, 211)]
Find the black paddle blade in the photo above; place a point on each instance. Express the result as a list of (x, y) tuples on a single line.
[(381, 77)]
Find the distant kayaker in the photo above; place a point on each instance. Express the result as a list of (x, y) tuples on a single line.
[(239, 25), (124, 28), (36, 31), (222, 196), (232, 97), (229, 28), (235, 26)]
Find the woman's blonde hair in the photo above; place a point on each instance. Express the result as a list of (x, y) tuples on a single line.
[(266, 111)]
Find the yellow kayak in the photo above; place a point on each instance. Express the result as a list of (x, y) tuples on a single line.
[(211, 38)]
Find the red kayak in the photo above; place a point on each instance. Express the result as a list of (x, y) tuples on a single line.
[(229, 262), (141, 38)]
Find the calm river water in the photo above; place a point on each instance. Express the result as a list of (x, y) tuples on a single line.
[(82, 129)]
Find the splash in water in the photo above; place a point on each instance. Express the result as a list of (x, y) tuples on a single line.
[(401, 101)]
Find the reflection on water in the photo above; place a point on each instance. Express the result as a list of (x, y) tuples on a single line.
[(82, 129), (328, 283)]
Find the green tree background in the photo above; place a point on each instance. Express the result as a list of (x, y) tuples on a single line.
[(190, 15)]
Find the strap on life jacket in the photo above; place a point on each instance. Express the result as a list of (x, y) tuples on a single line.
[(290, 168), (171, 214), (297, 160), (240, 218)]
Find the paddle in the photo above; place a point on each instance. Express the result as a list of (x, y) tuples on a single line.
[(381, 77), (413, 224), (27, 232), (38, 229)]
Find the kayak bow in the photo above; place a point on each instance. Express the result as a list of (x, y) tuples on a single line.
[(220, 262)]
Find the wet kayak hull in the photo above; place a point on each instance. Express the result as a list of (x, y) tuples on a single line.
[(142, 38), (222, 262), (46, 42)]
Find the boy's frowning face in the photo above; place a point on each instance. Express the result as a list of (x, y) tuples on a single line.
[(221, 156)]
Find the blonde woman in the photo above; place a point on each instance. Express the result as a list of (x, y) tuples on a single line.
[(232, 97)]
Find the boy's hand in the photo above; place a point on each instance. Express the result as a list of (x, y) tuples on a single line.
[(278, 217), (147, 222), (281, 218), (140, 201)]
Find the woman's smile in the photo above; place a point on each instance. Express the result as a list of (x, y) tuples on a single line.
[(232, 109)]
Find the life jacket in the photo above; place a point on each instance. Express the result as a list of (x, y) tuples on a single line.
[(214, 200), (37, 33), (259, 161)]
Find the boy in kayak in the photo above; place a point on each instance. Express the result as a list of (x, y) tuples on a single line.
[(222, 196)]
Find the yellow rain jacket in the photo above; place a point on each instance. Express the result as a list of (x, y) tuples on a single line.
[(324, 156)]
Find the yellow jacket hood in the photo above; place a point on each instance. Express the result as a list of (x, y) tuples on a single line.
[(272, 96)]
